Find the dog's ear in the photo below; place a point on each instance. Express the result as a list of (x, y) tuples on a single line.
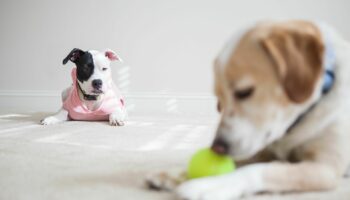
[(112, 56), (297, 55), (73, 56), (218, 106)]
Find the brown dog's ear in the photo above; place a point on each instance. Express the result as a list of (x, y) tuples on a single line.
[(297, 55), (218, 106)]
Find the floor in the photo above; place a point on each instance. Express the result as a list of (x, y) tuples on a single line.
[(92, 160)]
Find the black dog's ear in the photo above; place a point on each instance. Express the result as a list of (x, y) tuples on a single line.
[(73, 55)]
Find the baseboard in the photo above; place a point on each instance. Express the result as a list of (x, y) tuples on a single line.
[(161, 103)]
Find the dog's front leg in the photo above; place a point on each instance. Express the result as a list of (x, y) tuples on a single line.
[(171, 179), (270, 177), (118, 117), (60, 116)]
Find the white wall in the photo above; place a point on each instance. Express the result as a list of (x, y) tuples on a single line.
[(168, 45)]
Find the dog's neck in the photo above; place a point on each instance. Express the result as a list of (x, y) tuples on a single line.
[(92, 102)]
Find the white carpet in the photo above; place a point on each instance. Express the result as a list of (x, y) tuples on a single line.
[(92, 160)]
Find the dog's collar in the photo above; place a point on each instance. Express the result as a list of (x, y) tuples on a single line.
[(88, 97), (328, 82), (329, 63)]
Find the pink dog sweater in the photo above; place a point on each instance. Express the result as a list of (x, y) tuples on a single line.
[(112, 100)]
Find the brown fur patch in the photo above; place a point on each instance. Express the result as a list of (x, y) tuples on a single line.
[(297, 53)]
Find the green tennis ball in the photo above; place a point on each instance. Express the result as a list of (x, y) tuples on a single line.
[(205, 162)]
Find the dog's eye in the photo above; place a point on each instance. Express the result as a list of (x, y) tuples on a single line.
[(104, 69), (243, 94)]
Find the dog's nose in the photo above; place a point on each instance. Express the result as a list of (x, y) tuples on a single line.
[(220, 146), (97, 83)]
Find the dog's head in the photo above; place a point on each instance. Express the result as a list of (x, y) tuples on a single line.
[(93, 69), (264, 82)]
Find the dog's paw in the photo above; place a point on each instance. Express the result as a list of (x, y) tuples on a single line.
[(164, 181), (49, 120), (116, 119), (116, 122), (208, 189), (193, 190)]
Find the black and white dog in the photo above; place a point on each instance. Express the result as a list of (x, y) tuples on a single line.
[(93, 95)]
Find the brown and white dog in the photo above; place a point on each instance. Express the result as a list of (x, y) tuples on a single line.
[(283, 92)]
